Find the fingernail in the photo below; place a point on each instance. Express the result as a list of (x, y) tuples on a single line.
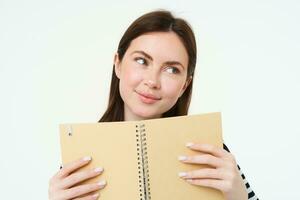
[(189, 144), (102, 183), (98, 169), (95, 195), (189, 180), (86, 158), (182, 174), (182, 158)]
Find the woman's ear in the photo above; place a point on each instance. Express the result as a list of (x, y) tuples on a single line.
[(117, 65), (187, 83)]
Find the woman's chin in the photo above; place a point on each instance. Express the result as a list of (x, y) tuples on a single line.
[(144, 114)]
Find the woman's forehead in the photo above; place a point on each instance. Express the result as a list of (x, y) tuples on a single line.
[(163, 45)]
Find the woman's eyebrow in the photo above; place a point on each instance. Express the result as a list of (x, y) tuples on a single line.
[(144, 53), (174, 63), (150, 58)]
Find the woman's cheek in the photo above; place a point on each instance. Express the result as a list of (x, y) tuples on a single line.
[(132, 76), (171, 88)]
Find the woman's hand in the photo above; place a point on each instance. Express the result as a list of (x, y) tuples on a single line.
[(224, 174), (61, 185)]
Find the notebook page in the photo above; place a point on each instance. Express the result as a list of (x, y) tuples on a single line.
[(112, 147), (166, 139)]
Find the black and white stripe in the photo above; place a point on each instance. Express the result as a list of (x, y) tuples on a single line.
[(251, 194)]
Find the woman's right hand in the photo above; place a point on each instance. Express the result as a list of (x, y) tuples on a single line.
[(62, 184)]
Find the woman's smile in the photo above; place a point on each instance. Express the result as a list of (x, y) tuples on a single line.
[(147, 98)]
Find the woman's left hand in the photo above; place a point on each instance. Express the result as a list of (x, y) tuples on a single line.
[(224, 174)]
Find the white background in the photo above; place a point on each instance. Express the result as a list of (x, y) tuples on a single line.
[(56, 62)]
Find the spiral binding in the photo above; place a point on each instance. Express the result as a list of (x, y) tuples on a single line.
[(143, 170)]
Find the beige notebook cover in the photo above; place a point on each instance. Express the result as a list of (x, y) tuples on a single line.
[(140, 158)]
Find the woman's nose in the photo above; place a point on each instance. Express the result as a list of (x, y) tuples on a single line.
[(152, 79), (152, 84)]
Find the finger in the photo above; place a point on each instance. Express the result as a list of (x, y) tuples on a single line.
[(203, 174), (89, 197), (208, 148), (212, 183), (72, 166), (83, 189), (202, 159), (79, 176)]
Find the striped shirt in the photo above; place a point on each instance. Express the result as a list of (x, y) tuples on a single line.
[(251, 194)]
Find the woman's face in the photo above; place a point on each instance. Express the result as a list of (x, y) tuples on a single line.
[(153, 75)]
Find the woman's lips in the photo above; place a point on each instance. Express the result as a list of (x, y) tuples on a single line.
[(147, 98)]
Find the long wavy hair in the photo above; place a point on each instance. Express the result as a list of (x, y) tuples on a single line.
[(155, 21)]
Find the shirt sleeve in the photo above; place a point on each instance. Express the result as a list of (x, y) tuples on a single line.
[(251, 194)]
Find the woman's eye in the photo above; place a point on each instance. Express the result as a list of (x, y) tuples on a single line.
[(172, 70), (141, 61)]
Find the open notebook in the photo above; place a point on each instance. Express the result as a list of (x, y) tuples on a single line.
[(140, 158)]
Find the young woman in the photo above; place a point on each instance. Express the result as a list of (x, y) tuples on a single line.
[(152, 78)]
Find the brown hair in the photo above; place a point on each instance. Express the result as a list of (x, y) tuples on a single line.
[(156, 21)]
